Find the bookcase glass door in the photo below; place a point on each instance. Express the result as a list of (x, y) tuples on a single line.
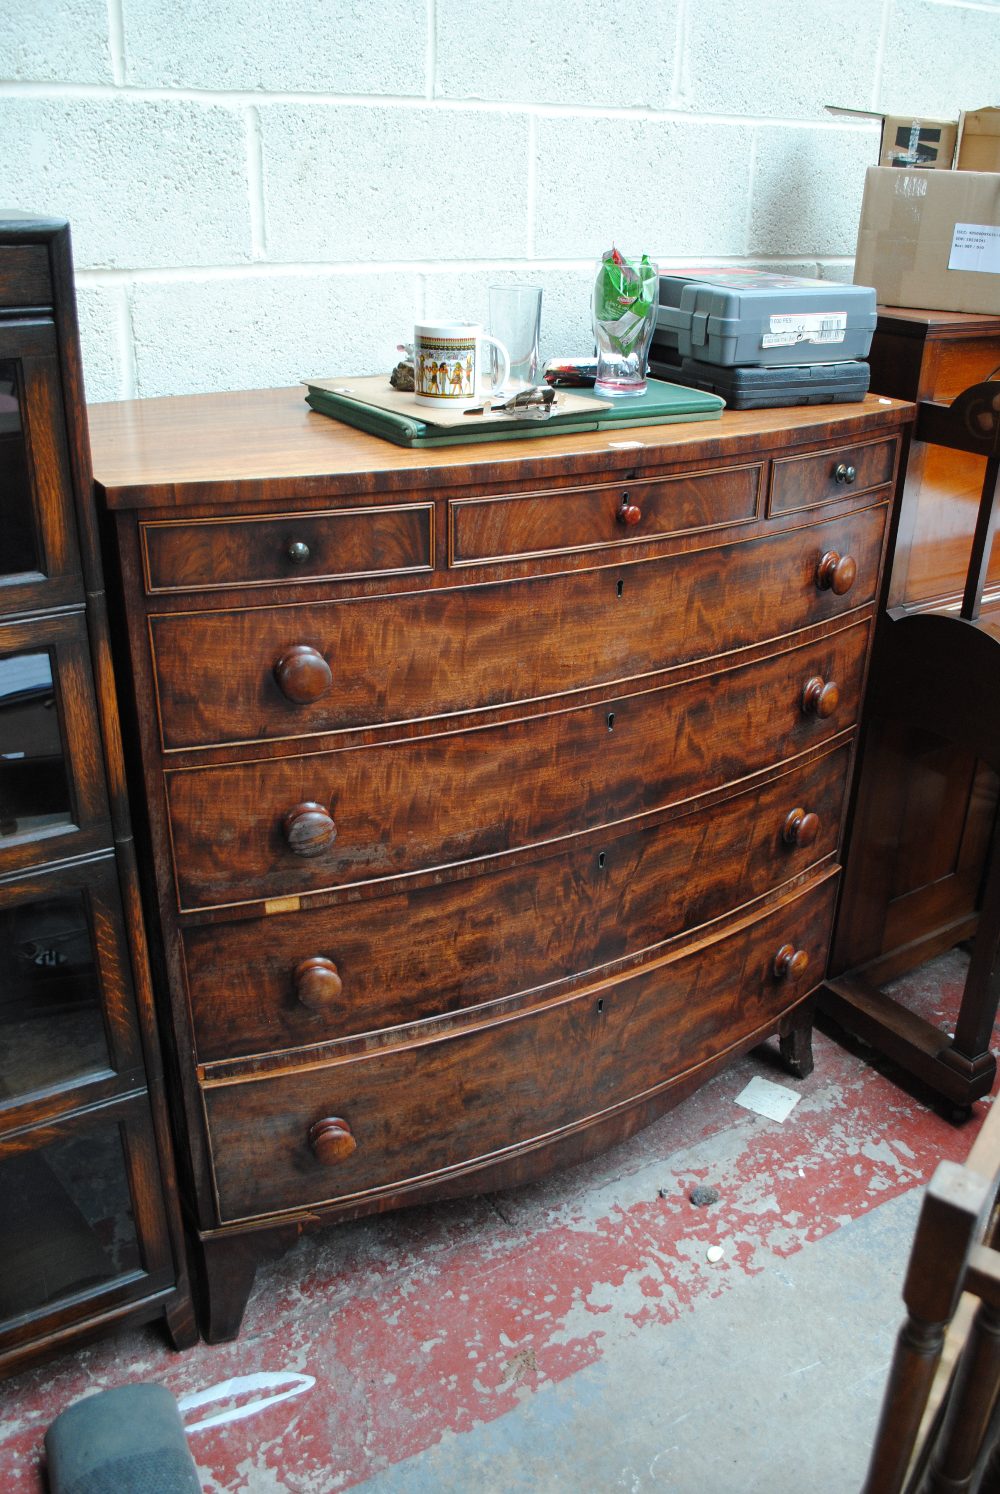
[(52, 1028), (21, 551), (67, 1225), (34, 784)]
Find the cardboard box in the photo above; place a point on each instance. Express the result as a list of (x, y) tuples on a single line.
[(909, 143), (931, 239), (979, 140)]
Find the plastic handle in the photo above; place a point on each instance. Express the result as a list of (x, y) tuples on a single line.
[(488, 340)]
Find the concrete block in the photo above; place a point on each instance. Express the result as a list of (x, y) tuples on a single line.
[(745, 58), (842, 273), (260, 331), (143, 184), (55, 41), (102, 315), (566, 324), (669, 188), (940, 58), (806, 190), (366, 183), (322, 46), (604, 54)]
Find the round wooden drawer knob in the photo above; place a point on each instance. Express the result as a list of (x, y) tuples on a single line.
[(309, 829), (836, 573), (790, 963), (317, 983), (820, 697), (800, 828), (331, 1140), (845, 473), (303, 674), (629, 513)]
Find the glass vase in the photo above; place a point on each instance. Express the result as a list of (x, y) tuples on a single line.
[(624, 311)]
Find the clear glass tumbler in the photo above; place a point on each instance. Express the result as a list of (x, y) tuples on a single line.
[(516, 317), (624, 308)]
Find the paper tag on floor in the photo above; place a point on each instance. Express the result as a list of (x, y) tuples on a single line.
[(765, 1098)]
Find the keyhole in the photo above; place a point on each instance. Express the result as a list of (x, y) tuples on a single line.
[(600, 1004), (611, 721), (602, 858), (620, 588)]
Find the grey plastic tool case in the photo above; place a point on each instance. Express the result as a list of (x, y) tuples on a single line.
[(738, 315)]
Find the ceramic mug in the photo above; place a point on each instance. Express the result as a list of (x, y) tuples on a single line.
[(451, 367)]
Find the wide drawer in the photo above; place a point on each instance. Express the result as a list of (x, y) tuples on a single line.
[(804, 482), (510, 525), (199, 554), (426, 1109), (327, 973), (362, 814), (255, 673)]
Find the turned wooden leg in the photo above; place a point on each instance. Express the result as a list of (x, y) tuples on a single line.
[(795, 1041)]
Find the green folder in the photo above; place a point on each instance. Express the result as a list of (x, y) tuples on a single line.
[(660, 405)]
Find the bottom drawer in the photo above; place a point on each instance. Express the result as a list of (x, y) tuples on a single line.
[(429, 1108)]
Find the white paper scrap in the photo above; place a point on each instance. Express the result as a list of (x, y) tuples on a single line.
[(775, 1101), (976, 246)]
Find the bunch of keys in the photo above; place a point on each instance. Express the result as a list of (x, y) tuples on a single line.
[(535, 403)]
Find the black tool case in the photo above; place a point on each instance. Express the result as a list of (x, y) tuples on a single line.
[(760, 388)]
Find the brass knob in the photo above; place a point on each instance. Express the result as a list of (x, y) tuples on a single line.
[(790, 963), (317, 983), (800, 828), (303, 675), (309, 829), (836, 573), (844, 472), (331, 1140), (820, 697), (298, 552)]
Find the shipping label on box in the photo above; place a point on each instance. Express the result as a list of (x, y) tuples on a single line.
[(931, 239)]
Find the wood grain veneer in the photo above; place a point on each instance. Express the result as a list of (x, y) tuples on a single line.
[(464, 873)]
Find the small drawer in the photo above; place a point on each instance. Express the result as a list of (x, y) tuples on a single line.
[(804, 482), (355, 1128), (329, 973), (252, 673), (515, 525), (24, 275), (207, 554), (277, 828)]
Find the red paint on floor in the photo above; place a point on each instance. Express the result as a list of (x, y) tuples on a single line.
[(436, 1319)]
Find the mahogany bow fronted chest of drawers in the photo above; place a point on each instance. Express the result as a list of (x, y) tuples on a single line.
[(494, 794)]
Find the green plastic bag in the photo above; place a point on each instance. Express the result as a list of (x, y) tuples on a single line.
[(624, 294)]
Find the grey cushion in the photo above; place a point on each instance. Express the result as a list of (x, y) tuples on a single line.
[(125, 1441)]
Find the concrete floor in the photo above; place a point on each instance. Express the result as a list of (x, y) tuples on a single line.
[(574, 1335)]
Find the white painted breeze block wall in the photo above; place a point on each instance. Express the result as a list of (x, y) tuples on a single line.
[(266, 190)]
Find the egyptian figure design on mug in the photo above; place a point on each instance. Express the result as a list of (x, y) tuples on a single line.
[(446, 361)]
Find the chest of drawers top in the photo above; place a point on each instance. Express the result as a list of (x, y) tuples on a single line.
[(261, 447)]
